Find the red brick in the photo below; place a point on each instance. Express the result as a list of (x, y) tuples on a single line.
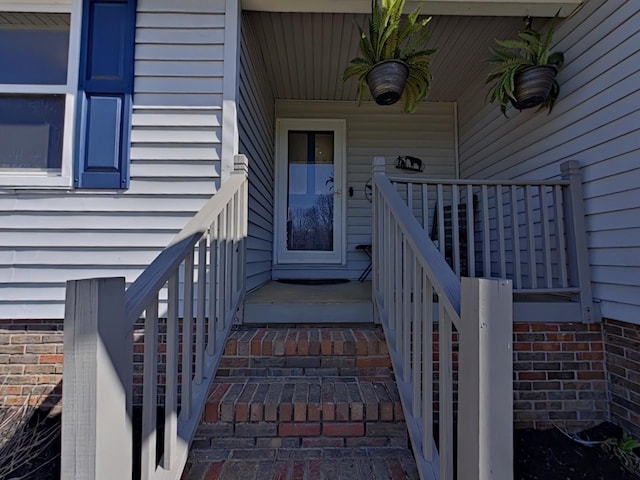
[(299, 429), (343, 429), (290, 345), (328, 411), (517, 328), (322, 442), (560, 337), (575, 346), (532, 376), (522, 347), (231, 347), (303, 343), (544, 327), (546, 347), (286, 412), (362, 347), (298, 471), (590, 375), (256, 342), (371, 362), (213, 473), (589, 356), (281, 470), (315, 470), (50, 359)]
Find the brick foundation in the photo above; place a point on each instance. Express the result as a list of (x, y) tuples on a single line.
[(31, 363), (622, 353), (559, 375)]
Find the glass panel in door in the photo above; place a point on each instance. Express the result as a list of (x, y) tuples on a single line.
[(310, 191)]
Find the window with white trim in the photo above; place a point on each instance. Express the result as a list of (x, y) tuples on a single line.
[(39, 51)]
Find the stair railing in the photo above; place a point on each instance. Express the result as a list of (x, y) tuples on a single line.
[(199, 276), (531, 232), (443, 333)]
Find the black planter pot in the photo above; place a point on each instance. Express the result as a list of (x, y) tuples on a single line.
[(386, 81), (532, 86)]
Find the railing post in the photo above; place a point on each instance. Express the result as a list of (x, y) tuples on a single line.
[(578, 253), (378, 169), (241, 167), (485, 408), (98, 356)]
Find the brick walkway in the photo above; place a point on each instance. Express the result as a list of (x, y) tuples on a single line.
[(364, 463), (303, 403)]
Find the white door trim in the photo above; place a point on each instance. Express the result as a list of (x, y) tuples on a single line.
[(280, 253)]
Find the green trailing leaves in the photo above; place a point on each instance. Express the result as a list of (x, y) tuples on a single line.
[(512, 56), (392, 36)]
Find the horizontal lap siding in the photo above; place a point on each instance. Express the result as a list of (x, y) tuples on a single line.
[(595, 121), (48, 237), (428, 134), (256, 124)]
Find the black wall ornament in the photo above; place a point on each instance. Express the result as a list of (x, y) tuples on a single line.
[(407, 162)]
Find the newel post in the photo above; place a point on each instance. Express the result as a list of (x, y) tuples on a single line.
[(577, 251), (485, 407), (241, 167), (97, 371)]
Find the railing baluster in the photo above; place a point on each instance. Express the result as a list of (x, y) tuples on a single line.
[(410, 195), (560, 238), (455, 229), (445, 395), (387, 263), (440, 203), (471, 245), (427, 369), (425, 207), (397, 283), (222, 235), (171, 389), (229, 265), (546, 237), (202, 302), (533, 269), (486, 230), (187, 339), (501, 247), (417, 344), (406, 301), (149, 391), (213, 287), (515, 227)]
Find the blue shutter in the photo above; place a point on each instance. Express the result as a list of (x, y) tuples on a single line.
[(104, 97)]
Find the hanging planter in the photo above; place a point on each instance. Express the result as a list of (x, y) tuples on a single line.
[(532, 86), (395, 63), (526, 70), (386, 81)]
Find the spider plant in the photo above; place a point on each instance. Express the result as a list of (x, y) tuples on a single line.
[(391, 36), (530, 50)]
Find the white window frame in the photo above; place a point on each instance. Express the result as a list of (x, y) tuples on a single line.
[(49, 178)]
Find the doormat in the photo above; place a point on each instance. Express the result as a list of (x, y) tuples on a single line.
[(313, 281)]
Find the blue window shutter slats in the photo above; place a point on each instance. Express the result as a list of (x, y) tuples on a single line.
[(104, 100)]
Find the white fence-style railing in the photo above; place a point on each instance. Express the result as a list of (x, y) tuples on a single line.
[(527, 231), (443, 334), (203, 267)]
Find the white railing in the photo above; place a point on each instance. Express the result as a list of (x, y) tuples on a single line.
[(526, 231), (203, 267), (416, 294)]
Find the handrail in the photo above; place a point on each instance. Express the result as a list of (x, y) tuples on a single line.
[(444, 281), (411, 278), (473, 181), (204, 267)]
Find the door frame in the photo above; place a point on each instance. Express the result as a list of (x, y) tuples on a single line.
[(281, 256)]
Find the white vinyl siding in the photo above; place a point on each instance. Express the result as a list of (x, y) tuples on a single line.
[(372, 131), (595, 121), (256, 128), (48, 237)]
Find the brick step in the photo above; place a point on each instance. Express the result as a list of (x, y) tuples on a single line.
[(306, 341), (303, 412), (276, 352), (304, 388)]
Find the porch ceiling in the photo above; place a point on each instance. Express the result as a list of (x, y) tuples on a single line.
[(305, 53)]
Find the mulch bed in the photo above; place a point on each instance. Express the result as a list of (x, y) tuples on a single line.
[(539, 455)]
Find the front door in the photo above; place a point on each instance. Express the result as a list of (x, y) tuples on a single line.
[(309, 191)]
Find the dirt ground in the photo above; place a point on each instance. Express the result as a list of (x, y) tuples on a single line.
[(539, 455)]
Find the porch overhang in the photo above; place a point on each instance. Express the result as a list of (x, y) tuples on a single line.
[(513, 8)]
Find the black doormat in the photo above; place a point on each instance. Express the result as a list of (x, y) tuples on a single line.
[(313, 281)]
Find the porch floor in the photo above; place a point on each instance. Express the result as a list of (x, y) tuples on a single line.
[(277, 302)]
